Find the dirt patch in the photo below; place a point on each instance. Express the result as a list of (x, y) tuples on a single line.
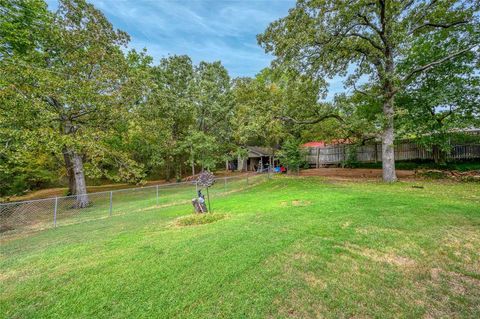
[(353, 173)]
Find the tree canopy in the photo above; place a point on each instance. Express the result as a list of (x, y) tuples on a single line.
[(76, 103), (371, 39)]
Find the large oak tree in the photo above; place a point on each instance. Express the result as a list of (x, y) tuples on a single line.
[(369, 38), (73, 79)]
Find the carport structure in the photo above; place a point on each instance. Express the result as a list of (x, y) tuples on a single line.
[(258, 159)]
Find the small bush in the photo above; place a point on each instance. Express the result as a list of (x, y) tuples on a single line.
[(292, 155), (198, 219), (350, 160)]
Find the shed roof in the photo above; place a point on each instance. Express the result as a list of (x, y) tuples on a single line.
[(258, 151), (314, 144), (323, 143)]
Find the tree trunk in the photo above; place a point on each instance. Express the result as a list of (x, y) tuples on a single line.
[(167, 172), (70, 173), (73, 163), (80, 185), (439, 155), (387, 76), (178, 171), (388, 136), (192, 161)]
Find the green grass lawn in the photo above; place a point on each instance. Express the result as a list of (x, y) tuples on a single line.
[(286, 248)]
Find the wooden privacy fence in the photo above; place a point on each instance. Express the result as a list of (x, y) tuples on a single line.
[(372, 153)]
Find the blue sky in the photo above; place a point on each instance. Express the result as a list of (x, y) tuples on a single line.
[(207, 30)]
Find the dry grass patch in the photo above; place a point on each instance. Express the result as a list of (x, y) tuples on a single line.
[(299, 304), (377, 230), (197, 219), (389, 257), (295, 203), (449, 291)]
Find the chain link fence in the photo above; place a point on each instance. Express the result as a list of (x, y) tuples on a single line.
[(32, 215)]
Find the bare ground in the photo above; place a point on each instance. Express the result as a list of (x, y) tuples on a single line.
[(353, 173)]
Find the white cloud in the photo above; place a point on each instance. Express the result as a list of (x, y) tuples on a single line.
[(208, 30)]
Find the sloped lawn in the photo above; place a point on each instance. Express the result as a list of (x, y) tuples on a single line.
[(287, 248)]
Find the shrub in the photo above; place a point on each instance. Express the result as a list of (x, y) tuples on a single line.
[(293, 155), (350, 160)]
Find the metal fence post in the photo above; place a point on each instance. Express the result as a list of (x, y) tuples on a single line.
[(225, 185), (55, 212), (247, 178), (111, 203), (157, 195)]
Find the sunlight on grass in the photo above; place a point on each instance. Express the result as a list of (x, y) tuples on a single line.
[(290, 247)]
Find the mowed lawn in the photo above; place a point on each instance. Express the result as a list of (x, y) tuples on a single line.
[(288, 248)]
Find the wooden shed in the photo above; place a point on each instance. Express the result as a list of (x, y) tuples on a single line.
[(258, 159)]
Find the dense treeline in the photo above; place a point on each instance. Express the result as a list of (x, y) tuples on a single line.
[(76, 103)]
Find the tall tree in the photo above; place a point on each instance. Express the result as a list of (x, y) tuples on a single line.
[(330, 37), (22, 27), (257, 102), (174, 105), (24, 162), (77, 80), (214, 109), (212, 96), (436, 105), (275, 105)]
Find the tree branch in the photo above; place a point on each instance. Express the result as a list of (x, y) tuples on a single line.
[(360, 91), (313, 121), (372, 43), (437, 25), (425, 11), (368, 23), (437, 62)]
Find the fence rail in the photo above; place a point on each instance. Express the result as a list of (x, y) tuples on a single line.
[(336, 154), (38, 214)]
